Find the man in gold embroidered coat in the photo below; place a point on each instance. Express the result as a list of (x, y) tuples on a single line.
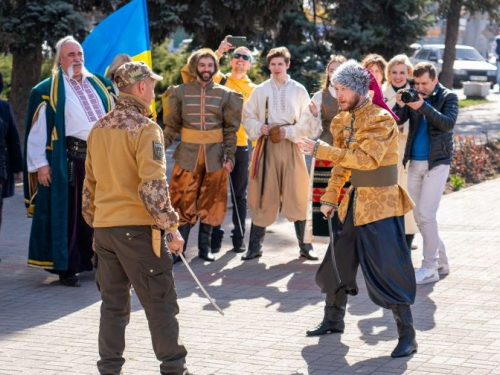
[(207, 115), (365, 150)]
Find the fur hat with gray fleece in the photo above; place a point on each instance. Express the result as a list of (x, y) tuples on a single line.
[(353, 76)]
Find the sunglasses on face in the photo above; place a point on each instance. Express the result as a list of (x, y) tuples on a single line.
[(241, 56)]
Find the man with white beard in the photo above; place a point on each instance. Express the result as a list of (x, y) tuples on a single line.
[(61, 112)]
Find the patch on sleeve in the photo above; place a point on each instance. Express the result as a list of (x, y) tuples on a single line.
[(158, 151)]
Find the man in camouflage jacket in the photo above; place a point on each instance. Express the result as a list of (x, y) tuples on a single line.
[(126, 201)]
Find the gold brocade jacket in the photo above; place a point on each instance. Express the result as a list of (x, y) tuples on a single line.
[(364, 139), (211, 115)]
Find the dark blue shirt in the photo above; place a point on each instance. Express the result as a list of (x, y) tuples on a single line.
[(420, 146)]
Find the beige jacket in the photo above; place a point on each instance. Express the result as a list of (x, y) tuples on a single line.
[(125, 181)]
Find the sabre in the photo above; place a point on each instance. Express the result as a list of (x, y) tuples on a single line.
[(264, 155), (235, 205), (212, 301), (332, 250)]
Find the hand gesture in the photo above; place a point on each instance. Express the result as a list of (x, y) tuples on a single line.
[(224, 46), (306, 146), (175, 242), (313, 109), (228, 165), (398, 98), (327, 210), (44, 176), (416, 105), (264, 129)]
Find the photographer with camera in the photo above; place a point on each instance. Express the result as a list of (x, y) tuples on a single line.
[(432, 110)]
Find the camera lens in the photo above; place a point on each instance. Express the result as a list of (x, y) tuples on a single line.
[(406, 97)]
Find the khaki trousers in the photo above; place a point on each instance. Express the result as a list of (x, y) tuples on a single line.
[(410, 223), (199, 193), (426, 189), (125, 259), (286, 185)]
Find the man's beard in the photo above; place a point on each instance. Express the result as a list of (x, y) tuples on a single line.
[(203, 75), (352, 104), (71, 71)]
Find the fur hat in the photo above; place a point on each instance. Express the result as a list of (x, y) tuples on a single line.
[(353, 76)]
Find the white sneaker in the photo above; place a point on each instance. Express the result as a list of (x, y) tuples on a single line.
[(426, 275), (444, 269)]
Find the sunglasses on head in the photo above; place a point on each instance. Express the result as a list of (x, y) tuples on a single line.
[(241, 56)]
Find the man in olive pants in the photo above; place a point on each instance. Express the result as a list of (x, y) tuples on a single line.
[(126, 201)]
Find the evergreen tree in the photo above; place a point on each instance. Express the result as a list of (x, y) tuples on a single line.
[(386, 27), (451, 10)]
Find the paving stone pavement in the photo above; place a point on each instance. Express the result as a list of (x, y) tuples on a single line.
[(269, 303)]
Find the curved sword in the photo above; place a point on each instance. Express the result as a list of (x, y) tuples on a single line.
[(212, 301), (332, 250)]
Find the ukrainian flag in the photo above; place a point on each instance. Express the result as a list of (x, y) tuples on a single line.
[(124, 31)]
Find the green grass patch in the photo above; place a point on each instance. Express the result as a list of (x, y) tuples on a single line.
[(462, 103)]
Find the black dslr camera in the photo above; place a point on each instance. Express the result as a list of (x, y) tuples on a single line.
[(410, 95)]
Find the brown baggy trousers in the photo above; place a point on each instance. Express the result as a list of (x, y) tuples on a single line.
[(199, 193), (126, 259)]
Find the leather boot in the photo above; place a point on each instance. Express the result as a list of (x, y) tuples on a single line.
[(407, 344), (216, 241), (204, 239), (257, 235), (238, 245), (333, 320), (184, 231), (306, 249)]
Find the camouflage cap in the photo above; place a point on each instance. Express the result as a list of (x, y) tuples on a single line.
[(132, 72)]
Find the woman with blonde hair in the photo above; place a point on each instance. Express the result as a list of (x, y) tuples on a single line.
[(398, 70)]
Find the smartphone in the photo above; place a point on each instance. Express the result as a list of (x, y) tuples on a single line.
[(237, 41)]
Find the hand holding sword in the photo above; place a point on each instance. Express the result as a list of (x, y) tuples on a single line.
[(329, 212), (175, 243)]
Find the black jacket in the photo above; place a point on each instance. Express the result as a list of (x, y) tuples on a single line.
[(10, 148), (441, 116)]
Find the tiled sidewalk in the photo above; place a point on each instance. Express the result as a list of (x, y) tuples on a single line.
[(269, 303)]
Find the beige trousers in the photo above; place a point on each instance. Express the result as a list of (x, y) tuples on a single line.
[(410, 223), (285, 187)]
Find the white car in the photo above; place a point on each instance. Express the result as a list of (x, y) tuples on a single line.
[(469, 65)]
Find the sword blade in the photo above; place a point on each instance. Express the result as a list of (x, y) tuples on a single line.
[(332, 250), (212, 301), (235, 205)]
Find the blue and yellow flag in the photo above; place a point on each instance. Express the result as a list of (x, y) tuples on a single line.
[(124, 31)]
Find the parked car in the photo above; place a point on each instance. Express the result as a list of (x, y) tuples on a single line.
[(469, 64)]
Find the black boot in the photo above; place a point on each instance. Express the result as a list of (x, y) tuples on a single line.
[(306, 249), (216, 241), (68, 278), (238, 245), (184, 231), (257, 235), (407, 344), (204, 239), (409, 241), (333, 320)]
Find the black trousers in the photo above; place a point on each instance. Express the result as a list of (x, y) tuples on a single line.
[(239, 177), (380, 249)]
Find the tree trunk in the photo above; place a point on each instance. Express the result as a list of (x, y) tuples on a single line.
[(26, 70), (452, 26)]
